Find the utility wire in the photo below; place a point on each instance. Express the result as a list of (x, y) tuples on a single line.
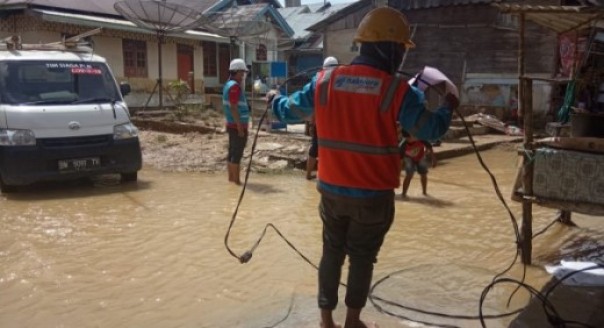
[(247, 255)]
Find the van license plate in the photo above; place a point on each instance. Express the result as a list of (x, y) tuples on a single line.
[(79, 164)]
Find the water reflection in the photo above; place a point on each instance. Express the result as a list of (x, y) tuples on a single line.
[(151, 254)]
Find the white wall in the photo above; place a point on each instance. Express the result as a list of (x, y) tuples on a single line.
[(269, 39), (111, 49), (169, 68), (39, 36), (198, 63)]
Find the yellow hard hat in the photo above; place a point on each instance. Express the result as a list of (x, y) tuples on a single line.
[(384, 24)]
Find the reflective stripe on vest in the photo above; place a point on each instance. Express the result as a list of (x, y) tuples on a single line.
[(242, 107), (394, 85), (323, 86), (356, 112)]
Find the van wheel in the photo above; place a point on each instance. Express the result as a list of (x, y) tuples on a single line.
[(129, 177), (7, 189)]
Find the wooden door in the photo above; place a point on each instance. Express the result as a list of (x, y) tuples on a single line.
[(185, 65)]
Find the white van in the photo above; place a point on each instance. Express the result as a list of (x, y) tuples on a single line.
[(62, 116)]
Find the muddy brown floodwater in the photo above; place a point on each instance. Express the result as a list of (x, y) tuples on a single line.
[(151, 254)]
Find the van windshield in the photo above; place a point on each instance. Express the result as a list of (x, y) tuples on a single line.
[(56, 82)]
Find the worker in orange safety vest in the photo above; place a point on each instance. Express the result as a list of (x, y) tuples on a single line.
[(356, 109)]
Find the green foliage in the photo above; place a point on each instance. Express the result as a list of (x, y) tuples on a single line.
[(180, 89)]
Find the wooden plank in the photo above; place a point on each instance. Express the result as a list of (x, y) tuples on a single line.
[(548, 79), (586, 144), (570, 206), (576, 207)]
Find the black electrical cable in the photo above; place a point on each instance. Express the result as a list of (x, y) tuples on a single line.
[(246, 256), (546, 228), (531, 289), (439, 314), (550, 311), (289, 311), (509, 211), (566, 276)]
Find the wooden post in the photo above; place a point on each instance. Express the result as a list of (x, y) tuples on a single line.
[(565, 218), (521, 66), (525, 95), (526, 231)]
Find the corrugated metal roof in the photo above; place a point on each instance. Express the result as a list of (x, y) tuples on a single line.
[(81, 12), (118, 24), (558, 18), (331, 7), (423, 4), (300, 23), (99, 7), (300, 18), (404, 5), (348, 9), (239, 21), (293, 11)]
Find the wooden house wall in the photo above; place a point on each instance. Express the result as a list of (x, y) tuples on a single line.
[(338, 37), (458, 38), (473, 38), (475, 45)]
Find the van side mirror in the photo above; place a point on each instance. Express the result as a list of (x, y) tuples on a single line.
[(125, 88)]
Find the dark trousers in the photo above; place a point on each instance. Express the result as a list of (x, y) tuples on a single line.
[(356, 230), (236, 145), (313, 151)]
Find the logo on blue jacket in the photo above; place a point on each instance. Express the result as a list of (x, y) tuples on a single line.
[(358, 84)]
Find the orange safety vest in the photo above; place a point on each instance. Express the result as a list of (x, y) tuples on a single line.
[(356, 110)]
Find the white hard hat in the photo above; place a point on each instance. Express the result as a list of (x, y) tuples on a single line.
[(330, 61), (238, 64)]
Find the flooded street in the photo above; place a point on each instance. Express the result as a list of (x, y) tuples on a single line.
[(152, 254)]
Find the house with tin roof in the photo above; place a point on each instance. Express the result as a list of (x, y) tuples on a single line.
[(304, 51), (131, 52), (471, 41), (197, 56)]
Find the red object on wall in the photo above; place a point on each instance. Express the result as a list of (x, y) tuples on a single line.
[(567, 45)]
